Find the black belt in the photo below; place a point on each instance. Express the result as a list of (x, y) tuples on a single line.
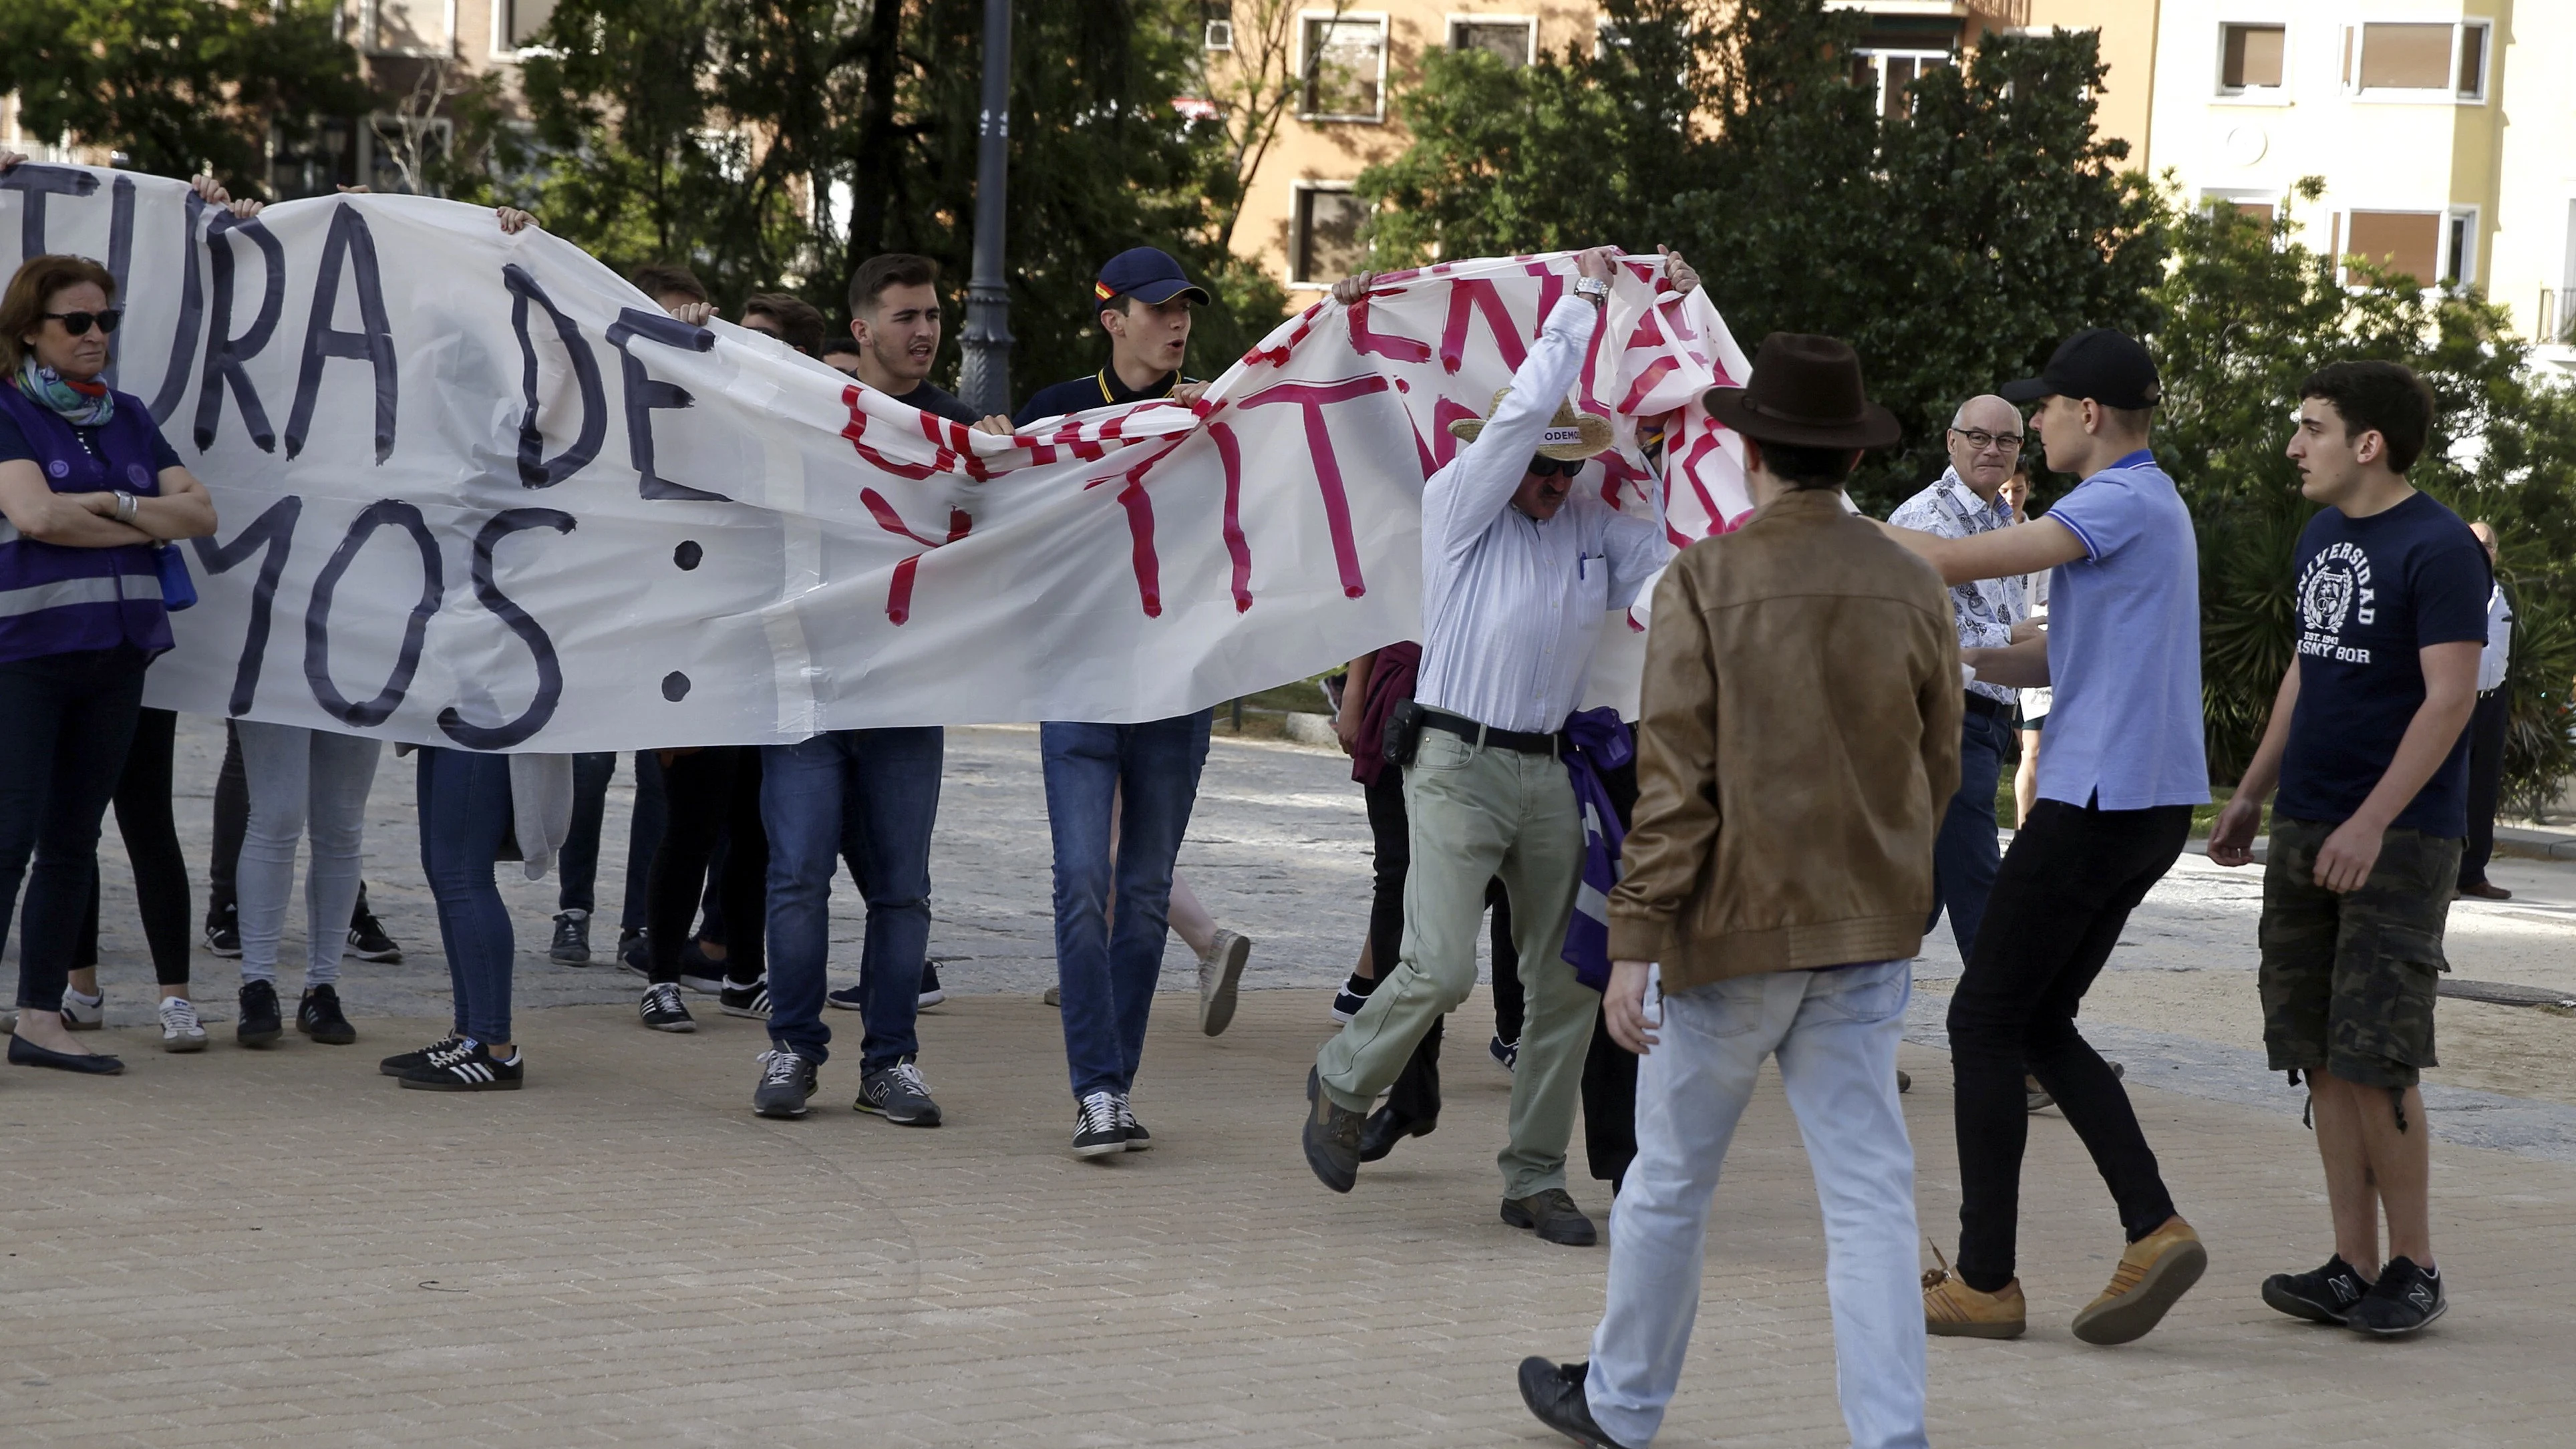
[(1987, 705), (1481, 734)]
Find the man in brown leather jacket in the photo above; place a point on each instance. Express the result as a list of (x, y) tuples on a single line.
[(1798, 744)]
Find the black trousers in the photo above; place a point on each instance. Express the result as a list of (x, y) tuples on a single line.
[(152, 846), (708, 794), (65, 722), (2486, 783), (2065, 889)]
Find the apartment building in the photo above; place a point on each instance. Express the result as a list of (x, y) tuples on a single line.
[(417, 54)]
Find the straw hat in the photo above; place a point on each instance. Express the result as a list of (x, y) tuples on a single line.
[(1571, 436)]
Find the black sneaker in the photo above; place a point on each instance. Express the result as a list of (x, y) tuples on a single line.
[(368, 941), (1097, 1132), (2323, 1296), (740, 1000), (1554, 1392), (786, 1080), (699, 973), (635, 953), (931, 995), (401, 1062), (1353, 995), (898, 1094), (223, 935), (260, 1023), (572, 939), (849, 998), (2405, 1299), (1138, 1139), (1506, 1054), (663, 1010), (318, 1016), (468, 1069)]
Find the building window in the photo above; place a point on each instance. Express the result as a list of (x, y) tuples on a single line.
[(1218, 33), (1345, 68), (2396, 241), (1513, 42), (1887, 73), (406, 27), (1328, 242), (2263, 206), (519, 24), (2249, 58), (2460, 247), (2421, 60)]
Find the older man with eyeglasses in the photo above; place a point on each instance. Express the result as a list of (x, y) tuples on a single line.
[(1985, 448)]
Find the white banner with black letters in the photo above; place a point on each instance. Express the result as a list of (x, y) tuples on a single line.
[(476, 490)]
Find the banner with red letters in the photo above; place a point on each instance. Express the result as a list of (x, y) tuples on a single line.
[(477, 491)]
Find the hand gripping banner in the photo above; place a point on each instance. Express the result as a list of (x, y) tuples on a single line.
[(477, 491)]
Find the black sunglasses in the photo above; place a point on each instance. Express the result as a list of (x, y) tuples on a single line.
[(78, 323), (1555, 467)]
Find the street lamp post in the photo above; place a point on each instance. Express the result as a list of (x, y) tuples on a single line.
[(986, 382)]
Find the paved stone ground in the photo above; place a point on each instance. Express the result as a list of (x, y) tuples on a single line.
[(279, 1246)]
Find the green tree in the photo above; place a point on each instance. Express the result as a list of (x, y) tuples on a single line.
[(2248, 313), (177, 86)]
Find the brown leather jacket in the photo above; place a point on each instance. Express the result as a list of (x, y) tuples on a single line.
[(1797, 745)]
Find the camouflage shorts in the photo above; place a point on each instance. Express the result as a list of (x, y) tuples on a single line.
[(2348, 981)]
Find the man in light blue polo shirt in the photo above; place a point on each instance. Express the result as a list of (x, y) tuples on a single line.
[(2117, 783)]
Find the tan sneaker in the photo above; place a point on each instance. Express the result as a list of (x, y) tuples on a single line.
[(2155, 1271), (1952, 1309)]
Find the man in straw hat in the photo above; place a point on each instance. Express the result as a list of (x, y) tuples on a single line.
[(2117, 783), (1519, 570), (1798, 743)]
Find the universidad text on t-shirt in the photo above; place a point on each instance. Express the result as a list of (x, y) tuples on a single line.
[(2371, 592)]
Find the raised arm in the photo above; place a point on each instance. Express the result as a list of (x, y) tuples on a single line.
[(1461, 500)]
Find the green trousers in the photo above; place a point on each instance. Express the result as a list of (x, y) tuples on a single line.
[(1477, 814)]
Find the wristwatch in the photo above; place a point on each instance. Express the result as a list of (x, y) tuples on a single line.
[(1593, 290)]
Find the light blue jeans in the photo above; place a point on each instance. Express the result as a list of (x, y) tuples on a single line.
[(302, 781), (1835, 1033)]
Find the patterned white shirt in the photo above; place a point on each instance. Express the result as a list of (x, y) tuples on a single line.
[(1511, 606), (1986, 609), (2496, 659)]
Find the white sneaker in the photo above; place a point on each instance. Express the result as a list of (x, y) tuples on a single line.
[(180, 1031), (1219, 972), (80, 1016)]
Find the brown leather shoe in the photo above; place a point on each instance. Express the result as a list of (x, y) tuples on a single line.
[(2487, 891), (2154, 1271), (1952, 1309)]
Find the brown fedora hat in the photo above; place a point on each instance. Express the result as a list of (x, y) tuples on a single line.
[(1806, 392)]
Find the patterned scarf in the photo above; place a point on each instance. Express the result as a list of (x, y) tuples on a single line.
[(81, 404)]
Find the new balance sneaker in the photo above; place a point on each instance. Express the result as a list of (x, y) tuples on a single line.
[(849, 998), (635, 953), (1220, 971), (786, 1080), (2324, 1295), (1353, 995), (1097, 1130), (700, 972), (401, 1062), (469, 1068), (1138, 1139), (223, 935), (662, 1009), (2405, 1299), (83, 1013), (1506, 1054), (318, 1015), (571, 945), (898, 1094), (260, 1023), (180, 1029), (931, 994), (368, 941), (751, 1001)]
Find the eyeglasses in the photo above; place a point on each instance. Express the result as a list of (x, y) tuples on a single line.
[(1555, 467), (1980, 440), (78, 323)]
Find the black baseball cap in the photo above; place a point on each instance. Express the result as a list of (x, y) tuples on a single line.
[(1148, 275), (2108, 366)]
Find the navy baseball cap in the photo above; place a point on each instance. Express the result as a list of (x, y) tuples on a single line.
[(2108, 366), (1148, 275)]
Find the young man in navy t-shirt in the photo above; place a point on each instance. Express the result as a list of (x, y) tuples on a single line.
[(2367, 743)]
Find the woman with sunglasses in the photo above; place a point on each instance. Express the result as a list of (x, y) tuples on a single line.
[(89, 489)]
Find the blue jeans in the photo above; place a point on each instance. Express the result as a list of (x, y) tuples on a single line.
[(1106, 971), (872, 795), (1966, 854), (1835, 1034), (464, 818)]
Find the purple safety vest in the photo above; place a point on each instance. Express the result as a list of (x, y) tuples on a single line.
[(53, 599)]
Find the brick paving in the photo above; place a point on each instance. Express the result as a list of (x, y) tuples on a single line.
[(280, 1246)]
